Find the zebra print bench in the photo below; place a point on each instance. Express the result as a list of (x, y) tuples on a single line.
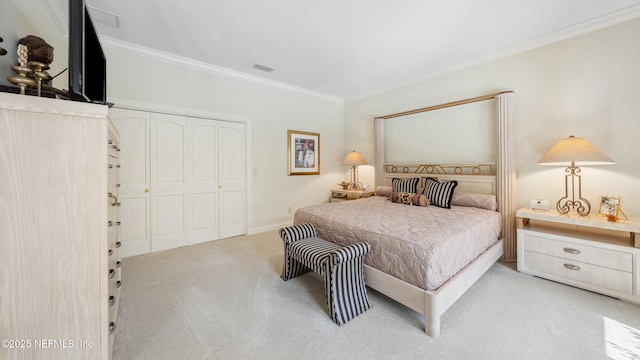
[(341, 268)]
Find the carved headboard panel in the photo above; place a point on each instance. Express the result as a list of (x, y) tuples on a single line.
[(476, 178)]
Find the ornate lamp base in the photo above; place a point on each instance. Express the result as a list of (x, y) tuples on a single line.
[(564, 205)]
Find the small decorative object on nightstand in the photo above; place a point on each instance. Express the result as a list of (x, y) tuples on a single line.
[(343, 195), (610, 208), (344, 185), (593, 254)]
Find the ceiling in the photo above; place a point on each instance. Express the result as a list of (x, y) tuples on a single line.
[(348, 49)]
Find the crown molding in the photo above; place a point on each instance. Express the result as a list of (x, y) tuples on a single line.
[(56, 10), (154, 54), (617, 17), (176, 110), (54, 7)]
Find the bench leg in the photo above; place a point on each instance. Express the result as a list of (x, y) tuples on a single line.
[(292, 267), (345, 290)]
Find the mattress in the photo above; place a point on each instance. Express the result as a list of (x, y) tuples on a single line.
[(423, 246)]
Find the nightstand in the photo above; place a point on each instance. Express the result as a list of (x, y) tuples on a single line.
[(586, 252), (342, 195)]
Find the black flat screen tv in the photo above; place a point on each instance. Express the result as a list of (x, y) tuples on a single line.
[(87, 63)]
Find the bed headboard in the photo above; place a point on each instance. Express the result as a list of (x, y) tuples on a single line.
[(476, 178), (505, 175)]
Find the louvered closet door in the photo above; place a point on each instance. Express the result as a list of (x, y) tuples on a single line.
[(168, 174), (202, 180), (133, 127)]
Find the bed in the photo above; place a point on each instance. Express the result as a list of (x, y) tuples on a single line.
[(414, 259), (426, 295)]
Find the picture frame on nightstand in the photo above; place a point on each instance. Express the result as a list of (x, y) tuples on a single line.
[(609, 207)]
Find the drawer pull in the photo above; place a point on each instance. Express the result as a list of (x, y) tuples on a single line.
[(118, 284), (110, 252), (118, 264), (118, 244), (112, 300), (572, 267), (110, 166), (110, 223), (571, 251), (112, 273), (110, 142), (112, 327), (118, 223)]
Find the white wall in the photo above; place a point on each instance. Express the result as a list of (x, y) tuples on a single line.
[(272, 111), (20, 18), (587, 86)]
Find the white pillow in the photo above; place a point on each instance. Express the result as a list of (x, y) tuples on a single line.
[(382, 190), (481, 201)]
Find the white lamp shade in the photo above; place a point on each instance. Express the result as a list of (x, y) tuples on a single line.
[(576, 150), (354, 159)]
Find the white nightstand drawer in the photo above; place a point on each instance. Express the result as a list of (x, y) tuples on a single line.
[(613, 259), (616, 280)]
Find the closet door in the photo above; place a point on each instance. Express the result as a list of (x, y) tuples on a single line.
[(183, 180), (232, 179), (134, 127), (202, 180), (168, 175)]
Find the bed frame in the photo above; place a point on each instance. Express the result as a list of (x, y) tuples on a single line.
[(432, 304)]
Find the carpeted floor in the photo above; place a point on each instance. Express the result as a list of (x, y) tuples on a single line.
[(225, 300)]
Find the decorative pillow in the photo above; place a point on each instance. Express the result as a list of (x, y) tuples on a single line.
[(409, 198), (383, 190), (439, 193), (405, 185), (481, 201)]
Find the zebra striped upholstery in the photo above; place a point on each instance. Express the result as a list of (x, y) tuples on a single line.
[(341, 268)]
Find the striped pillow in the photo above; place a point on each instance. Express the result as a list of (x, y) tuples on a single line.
[(439, 193), (404, 185)]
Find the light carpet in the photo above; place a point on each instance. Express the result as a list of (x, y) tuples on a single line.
[(225, 300)]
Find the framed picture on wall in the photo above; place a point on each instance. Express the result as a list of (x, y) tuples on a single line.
[(303, 152)]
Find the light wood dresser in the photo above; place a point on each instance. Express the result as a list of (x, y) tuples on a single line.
[(59, 261), (586, 252)]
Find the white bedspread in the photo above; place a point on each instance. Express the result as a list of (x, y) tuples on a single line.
[(424, 246)]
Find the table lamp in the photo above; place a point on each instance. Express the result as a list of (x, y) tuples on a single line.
[(571, 152), (354, 159)]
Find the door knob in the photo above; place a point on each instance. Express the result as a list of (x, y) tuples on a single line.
[(146, 190)]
